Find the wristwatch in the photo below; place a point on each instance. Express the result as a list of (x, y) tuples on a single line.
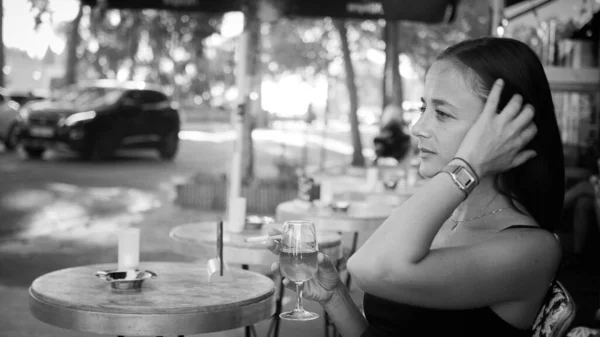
[(462, 177)]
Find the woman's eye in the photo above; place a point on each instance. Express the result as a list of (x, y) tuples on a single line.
[(422, 109), (441, 114)]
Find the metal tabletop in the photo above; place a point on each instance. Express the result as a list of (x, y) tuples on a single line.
[(179, 301)]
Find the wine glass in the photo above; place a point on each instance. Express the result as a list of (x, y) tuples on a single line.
[(298, 262)]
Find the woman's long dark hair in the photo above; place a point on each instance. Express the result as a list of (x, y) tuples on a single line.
[(538, 184)]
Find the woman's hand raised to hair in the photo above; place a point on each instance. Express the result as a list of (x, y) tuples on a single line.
[(496, 141), (321, 288)]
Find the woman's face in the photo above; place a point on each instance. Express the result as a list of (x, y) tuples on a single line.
[(450, 107)]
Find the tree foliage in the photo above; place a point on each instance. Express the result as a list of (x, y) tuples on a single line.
[(423, 42), (166, 47)]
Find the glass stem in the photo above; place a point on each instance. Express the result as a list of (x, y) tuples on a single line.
[(299, 288)]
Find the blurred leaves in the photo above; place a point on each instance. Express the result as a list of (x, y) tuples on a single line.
[(423, 42), (41, 11), (173, 47), (168, 46)]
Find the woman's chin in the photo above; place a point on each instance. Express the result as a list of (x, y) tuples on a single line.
[(427, 171)]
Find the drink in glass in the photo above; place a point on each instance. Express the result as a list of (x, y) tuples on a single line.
[(298, 262)]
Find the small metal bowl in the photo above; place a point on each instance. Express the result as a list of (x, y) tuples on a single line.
[(390, 184), (255, 222), (340, 206), (125, 279)]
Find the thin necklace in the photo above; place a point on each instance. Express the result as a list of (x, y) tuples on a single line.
[(456, 222)]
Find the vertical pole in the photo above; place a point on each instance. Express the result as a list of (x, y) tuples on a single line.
[(235, 179), (235, 176), (2, 61), (497, 16)]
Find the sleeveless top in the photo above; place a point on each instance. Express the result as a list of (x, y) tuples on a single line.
[(388, 318)]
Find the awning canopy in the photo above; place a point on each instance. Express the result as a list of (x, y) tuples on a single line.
[(426, 11)]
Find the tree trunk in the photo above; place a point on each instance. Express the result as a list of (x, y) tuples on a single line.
[(72, 44), (253, 79), (2, 61), (133, 43), (357, 156), (392, 81)]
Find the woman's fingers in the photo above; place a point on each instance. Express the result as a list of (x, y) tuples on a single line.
[(275, 268), (325, 262), (273, 245), (527, 134), (523, 139), (524, 118), (512, 108), (491, 104), (522, 157)]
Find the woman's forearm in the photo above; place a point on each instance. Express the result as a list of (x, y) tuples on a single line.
[(344, 313), (406, 235)]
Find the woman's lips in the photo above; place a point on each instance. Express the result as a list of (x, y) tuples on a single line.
[(424, 150), (424, 153)]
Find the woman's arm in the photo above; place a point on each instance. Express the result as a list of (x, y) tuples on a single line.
[(396, 262), (409, 231), (344, 313)]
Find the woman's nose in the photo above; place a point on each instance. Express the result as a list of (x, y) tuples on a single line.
[(421, 127)]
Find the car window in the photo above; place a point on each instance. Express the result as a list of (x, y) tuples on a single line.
[(94, 96), (151, 96), (133, 96)]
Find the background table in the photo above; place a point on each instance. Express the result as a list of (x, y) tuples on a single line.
[(200, 240), (179, 301), (361, 217), (352, 188)]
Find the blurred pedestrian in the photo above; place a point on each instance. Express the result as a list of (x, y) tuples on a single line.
[(393, 139)]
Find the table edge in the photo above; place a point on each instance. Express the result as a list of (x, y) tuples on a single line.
[(183, 323)]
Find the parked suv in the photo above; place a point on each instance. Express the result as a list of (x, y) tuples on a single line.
[(98, 118)]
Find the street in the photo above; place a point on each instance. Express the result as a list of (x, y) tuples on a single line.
[(32, 186), (62, 211)]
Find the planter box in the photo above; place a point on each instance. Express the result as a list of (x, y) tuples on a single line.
[(262, 196)]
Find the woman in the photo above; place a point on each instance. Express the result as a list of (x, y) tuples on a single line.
[(472, 252)]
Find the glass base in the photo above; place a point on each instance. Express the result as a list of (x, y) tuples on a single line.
[(299, 315)]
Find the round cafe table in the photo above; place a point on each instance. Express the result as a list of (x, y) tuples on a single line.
[(200, 240), (179, 301)]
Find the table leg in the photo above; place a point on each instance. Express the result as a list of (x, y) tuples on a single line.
[(352, 250), (249, 331), (275, 321)]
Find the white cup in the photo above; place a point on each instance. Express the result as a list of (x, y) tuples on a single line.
[(237, 214)]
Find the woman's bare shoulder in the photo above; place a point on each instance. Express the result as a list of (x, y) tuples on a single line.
[(540, 244)]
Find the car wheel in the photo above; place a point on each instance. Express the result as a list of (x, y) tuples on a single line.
[(169, 145), (12, 138), (34, 152)]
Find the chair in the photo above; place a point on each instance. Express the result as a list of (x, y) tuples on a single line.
[(557, 313), (582, 331)]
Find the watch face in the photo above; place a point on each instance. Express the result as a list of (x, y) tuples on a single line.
[(464, 176)]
